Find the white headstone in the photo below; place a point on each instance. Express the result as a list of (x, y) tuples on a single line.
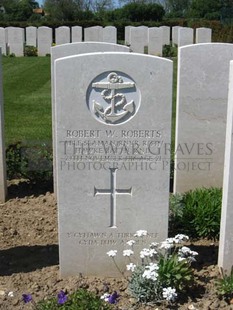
[(145, 34), (137, 39), (127, 35), (62, 35), (185, 36), (166, 34), (31, 36), (16, 40), (110, 34), (175, 34), (94, 34), (3, 185), (45, 40), (3, 40), (69, 50), (155, 46), (76, 34), (111, 182), (203, 72), (203, 35), (225, 253)]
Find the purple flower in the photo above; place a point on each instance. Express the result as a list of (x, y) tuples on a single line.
[(61, 298), (113, 299), (27, 298)]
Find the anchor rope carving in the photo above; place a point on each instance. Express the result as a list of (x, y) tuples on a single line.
[(118, 107)]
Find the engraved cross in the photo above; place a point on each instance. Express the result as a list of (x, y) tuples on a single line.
[(113, 192)]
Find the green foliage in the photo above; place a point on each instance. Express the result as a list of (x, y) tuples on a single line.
[(197, 213), (79, 300), (164, 270), (18, 10), (144, 290), (174, 273), (169, 51), (31, 162), (136, 12), (30, 51), (22, 94), (225, 284)]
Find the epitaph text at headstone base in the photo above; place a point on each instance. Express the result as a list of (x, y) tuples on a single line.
[(113, 169), (225, 253), (69, 50), (3, 183), (203, 72)]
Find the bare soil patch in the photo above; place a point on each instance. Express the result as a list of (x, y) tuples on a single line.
[(29, 258)]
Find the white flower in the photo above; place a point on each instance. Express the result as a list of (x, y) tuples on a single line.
[(112, 253), (131, 267), (144, 253), (130, 242), (128, 252), (169, 293), (154, 244), (10, 294), (140, 233), (150, 272), (166, 245), (180, 237), (186, 253), (105, 297)]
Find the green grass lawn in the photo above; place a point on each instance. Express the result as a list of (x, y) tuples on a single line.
[(27, 99)]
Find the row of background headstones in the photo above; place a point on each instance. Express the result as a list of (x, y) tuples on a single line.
[(13, 39)]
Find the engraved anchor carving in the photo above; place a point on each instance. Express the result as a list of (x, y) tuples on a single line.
[(118, 106)]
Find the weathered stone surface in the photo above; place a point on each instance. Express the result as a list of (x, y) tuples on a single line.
[(203, 35), (45, 40), (16, 40), (62, 35), (3, 185), (31, 36), (225, 254), (155, 45), (203, 72), (111, 180)]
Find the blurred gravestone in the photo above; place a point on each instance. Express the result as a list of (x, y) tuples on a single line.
[(3, 185), (31, 36), (62, 35), (45, 40), (203, 72), (225, 253), (16, 40)]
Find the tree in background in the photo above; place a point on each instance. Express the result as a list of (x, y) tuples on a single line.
[(177, 8), (208, 9), (18, 10), (139, 11)]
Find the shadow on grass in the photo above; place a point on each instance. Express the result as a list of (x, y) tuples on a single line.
[(23, 188), (27, 258)]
